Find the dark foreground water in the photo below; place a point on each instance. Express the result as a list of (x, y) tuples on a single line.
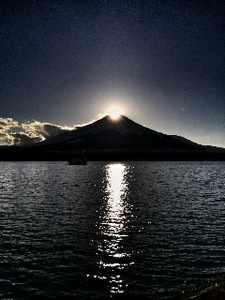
[(148, 230)]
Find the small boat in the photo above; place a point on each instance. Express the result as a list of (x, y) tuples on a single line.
[(78, 159)]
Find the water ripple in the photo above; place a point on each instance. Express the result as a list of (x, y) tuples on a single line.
[(151, 229)]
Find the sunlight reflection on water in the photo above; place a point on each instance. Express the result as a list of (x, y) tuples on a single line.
[(149, 230), (116, 214)]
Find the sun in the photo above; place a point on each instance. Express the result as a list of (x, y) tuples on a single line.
[(115, 112)]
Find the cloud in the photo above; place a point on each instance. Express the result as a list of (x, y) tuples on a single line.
[(44, 130), (25, 139), (5, 138), (7, 123), (13, 132)]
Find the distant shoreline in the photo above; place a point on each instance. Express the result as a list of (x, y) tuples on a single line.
[(33, 154)]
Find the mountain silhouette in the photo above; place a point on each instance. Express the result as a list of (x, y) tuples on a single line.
[(122, 133), (108, 139)]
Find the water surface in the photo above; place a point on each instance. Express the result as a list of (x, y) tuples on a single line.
[(110, 230)]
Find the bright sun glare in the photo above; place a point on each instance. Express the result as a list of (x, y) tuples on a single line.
[(115, 112)]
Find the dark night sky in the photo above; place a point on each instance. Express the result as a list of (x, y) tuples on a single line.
[(65, 62)]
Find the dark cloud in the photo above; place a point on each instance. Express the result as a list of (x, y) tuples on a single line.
[(52, 130), (25, 139)]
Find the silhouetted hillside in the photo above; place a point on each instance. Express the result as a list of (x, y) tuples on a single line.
[(120, 134), (108, 139)]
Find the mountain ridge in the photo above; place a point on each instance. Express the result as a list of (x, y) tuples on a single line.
[(113, 140), (123, 133)]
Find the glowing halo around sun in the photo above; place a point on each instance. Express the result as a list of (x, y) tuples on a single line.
[(114, 112)]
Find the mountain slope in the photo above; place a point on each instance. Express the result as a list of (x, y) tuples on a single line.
[(116, 134), (110, 140)]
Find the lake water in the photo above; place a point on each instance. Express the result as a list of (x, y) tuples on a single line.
[(149, 230)]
